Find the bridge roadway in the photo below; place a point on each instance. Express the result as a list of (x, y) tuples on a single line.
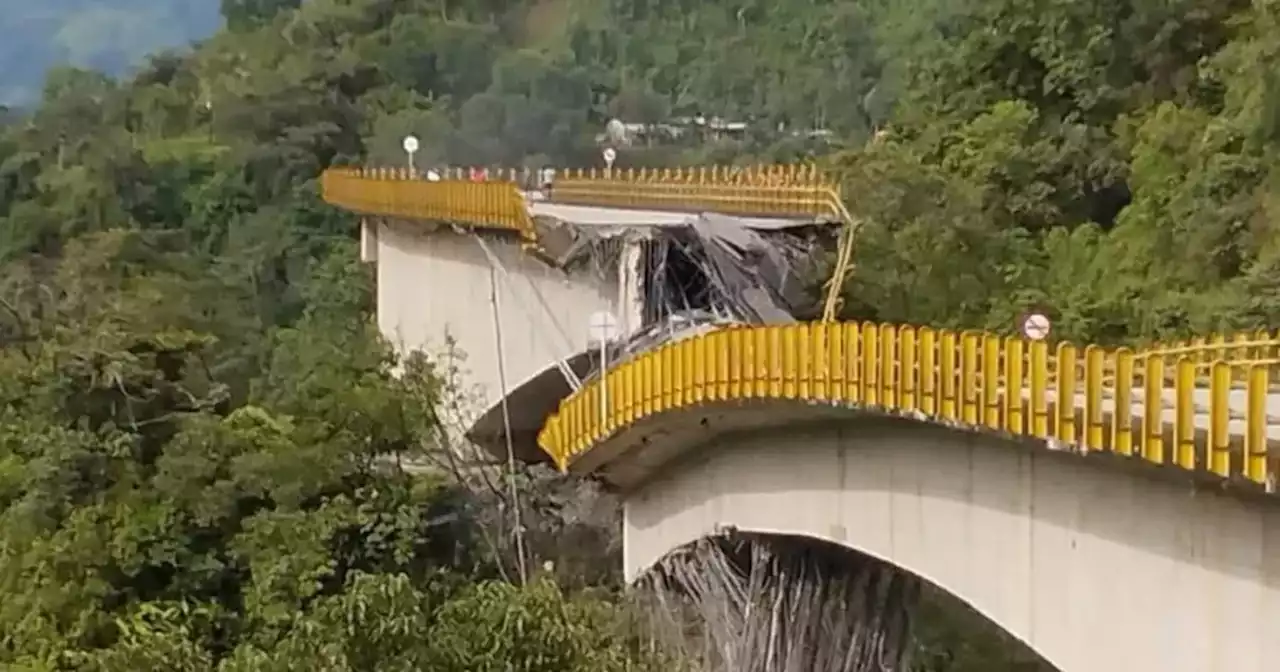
[(1201, 419), (808, 364), (501, 205), (588, 215)]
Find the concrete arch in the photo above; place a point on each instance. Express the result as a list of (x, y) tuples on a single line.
[(852, 566), (1094, 567)]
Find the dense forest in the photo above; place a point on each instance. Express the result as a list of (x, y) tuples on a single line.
[(201, 442)]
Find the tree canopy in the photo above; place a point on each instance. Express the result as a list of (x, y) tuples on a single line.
[(1110, 161)]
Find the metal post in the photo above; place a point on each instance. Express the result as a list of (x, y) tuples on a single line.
[(410, 145), (604, 327)]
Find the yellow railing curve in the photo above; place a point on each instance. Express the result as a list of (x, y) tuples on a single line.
[(1241, 350), (491, 198), (395, 193), (789, 191), (1259, 345), (1121, 402)]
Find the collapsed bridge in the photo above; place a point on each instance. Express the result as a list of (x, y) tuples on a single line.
[(1025, 480)]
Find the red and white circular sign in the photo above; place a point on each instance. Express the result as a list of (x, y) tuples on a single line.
[(1035, 327)]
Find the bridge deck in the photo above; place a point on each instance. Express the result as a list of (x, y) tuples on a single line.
[(1219, 418), (768, 200), (1218, 414), (588, 215)]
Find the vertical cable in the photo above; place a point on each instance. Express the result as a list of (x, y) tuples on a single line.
[(513, 489), (562, 363)]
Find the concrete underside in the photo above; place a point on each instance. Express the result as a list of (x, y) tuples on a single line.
[(1095, 567), (452, 295)]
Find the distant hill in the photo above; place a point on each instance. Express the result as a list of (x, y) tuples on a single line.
[(108, 35)]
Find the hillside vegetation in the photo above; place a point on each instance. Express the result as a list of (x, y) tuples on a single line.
[(199, 431), (1113, 162)]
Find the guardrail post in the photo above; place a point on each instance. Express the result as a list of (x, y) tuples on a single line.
[(870, 364), (889, 386), (990, 381), (1014, 377), (1065, 391), (928, 348), (1255, 433), (1094, 371), (1153, 409), (969, 377), (910, 371), (1039, 389), (1219, 448), (947, 374)]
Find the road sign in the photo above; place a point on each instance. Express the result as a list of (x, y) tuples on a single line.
[(1035, 326), (610, 155)]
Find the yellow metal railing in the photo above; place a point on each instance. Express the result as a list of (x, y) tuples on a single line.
[(790, 191), (395, 193), (1240, 350), (759, 174), (795, 174), (1261, 345), (1111, 400)]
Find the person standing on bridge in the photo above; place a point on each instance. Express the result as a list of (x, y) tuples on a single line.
[(546, 177)]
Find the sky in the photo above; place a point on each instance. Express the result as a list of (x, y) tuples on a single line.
[(108, 35)]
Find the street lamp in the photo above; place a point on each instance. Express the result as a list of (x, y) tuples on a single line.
[(603, 328), (410, 148)]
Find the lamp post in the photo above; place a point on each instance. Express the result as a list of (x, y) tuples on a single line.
[(410, 145), (603, 329)]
